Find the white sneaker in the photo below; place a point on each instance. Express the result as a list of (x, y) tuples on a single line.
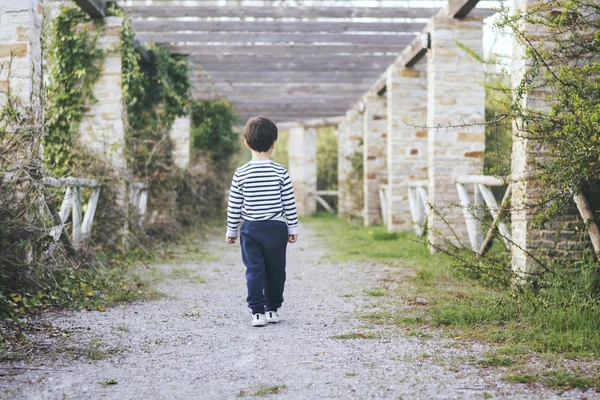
[(259, 320), (272, 317)]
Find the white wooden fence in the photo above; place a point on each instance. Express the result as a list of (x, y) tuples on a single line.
[(483, 200), (139, 200), (383, 201), (417, 198), (81, 223), (318, 196)]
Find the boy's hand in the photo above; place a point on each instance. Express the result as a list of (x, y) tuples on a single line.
[(293, 238), (231, 240)]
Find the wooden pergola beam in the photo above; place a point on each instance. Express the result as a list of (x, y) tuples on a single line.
[(94, 8), (409, 57), (166, 26), (287, 76), (280, 12), (278, 38), (278, 49), (306, 63), (460, 8)]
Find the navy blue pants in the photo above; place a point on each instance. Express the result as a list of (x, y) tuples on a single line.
[(263, 253)]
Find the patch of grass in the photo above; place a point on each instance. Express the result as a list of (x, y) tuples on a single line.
[(377, 317), (263, 391), (191, 314), (559, 378), (187, 274), (353, 241), (376, 292), (521, 378), (497, 362), (566, 380), (107, 382), (356, 335), (123, 328), (420, 334)]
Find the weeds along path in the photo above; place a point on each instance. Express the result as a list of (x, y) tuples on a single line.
[(197, 342)]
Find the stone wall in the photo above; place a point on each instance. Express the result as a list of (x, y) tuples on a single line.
[(180, 137), (374, 156), (302, 148), (456, 100), (102, 130), (21, 50), (350, 137), (406, 140)]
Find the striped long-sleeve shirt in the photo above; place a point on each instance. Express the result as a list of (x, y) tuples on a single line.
[(260, 191)]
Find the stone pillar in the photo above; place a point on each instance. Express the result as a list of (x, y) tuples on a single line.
[(374, 156), (302, 150), (559, 239), (21, 50), (102, 130), (407, 139), (180, 137), (455, 96), (350, 137)]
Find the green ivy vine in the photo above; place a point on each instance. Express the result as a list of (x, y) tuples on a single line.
[(212, 129), (75, 64)]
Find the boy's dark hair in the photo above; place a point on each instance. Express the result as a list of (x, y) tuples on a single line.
[(260, 133)]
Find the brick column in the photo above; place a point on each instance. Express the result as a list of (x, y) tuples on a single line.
[(407, 139), (102, 130), (350, 136), (302, 167), (21, 50), (180, 137), (455, 96), (374, 156)]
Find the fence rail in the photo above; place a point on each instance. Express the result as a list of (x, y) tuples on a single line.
[(72, 202), (383, 201), (139, 200), (483, 200), (417, 198), (318, 196)]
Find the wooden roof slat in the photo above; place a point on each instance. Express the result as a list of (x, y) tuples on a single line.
[(287, 76), (281, 12), (245, 37), (165, 26), (288, 63), (278, 49)]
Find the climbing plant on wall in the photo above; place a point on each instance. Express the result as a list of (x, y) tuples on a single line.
[(154, 94), (212, 129), (75, 64)]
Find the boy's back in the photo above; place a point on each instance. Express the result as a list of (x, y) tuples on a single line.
[(261, 190)]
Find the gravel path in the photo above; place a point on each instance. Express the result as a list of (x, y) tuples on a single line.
[(197, 343)]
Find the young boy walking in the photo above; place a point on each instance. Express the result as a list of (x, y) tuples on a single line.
[(262, 198)]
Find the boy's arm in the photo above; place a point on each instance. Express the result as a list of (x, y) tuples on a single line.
[(234, 208), (289, 204)]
